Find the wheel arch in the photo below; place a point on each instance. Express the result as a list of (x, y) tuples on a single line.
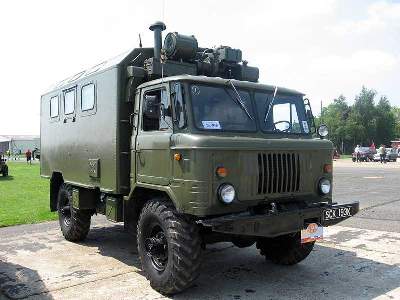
[(137, 199)]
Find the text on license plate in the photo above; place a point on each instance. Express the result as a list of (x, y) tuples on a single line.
[(337, 213)]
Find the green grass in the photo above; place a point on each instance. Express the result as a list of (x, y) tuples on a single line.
[(24, 196), (345, 156)]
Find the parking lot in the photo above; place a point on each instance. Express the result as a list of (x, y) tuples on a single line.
[(360, 259)]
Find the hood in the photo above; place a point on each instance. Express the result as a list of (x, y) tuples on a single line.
[(197, 141)]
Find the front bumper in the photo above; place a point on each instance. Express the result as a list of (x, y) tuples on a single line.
[(281, 222)]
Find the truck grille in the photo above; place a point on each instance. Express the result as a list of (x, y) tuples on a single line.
[(278, 173)]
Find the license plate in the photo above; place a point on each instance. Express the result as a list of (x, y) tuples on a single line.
[(312, 233), (336, 213)]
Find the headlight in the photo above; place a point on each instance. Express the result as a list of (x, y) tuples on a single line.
[(324, 186), (226, 193), (323, 130)]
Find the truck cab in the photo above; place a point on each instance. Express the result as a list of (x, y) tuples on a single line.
[(187, 148), (195, 135)]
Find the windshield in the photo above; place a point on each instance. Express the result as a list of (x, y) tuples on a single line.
[(220, 108), (287, 113)]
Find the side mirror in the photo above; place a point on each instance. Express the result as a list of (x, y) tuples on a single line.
[(310, 116), (151, 107)]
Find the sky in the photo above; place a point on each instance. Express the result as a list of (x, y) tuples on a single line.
[(322, 48)]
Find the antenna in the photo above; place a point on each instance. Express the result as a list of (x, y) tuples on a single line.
[(140, 41), (163, 11)]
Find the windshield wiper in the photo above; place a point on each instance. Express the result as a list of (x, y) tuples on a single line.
[(239, 100), (270, 105)]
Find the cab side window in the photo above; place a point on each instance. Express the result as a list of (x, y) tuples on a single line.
[(69, 101), (156, 112)]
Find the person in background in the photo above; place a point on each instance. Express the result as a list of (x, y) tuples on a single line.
[(357, 151), (28, 155), (382, 153), (8, 153)]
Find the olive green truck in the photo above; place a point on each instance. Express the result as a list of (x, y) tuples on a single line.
[(183, 145)]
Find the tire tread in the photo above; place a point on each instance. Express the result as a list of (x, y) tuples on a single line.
[(186, 243)]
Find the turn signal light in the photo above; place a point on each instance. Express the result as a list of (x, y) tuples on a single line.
[(177, 156), (221, 172), (327, 168)]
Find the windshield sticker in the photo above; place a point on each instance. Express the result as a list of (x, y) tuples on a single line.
[(305, 127), (195, 90), (211, 124)]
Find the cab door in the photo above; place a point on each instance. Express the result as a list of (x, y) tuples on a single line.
[(153, 154)]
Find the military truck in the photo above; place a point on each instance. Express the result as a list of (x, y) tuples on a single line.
[(183, 145)]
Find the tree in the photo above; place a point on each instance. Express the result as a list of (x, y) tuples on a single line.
[(396, 114), (385, 122), (363, 122), (334, 116), (363, 113)]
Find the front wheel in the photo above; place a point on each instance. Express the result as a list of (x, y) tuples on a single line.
[(285, 249), (169, 247), (74, 223)]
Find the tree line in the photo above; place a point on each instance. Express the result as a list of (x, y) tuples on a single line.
[(365, 122)]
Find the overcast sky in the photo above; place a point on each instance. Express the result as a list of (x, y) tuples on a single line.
[(322, 48)]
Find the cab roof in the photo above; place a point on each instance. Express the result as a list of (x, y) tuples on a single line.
[(222, 81)]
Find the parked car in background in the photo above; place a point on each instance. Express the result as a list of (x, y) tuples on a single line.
[(391, 155), (366, 154)]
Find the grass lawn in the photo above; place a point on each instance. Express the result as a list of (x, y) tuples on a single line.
[(24, 196), (345, 156)]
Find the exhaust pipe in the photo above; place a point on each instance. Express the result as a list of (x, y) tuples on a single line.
[(157, 27)]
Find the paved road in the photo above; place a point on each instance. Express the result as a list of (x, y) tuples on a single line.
[(358, 260), (376, 186)]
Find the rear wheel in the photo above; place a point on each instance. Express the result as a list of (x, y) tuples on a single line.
[(74, 223), (285, 249), (169, 247)]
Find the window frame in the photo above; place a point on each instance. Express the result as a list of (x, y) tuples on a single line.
[(149, 90), (92, 110), (290, 98), (73, 113), (57, 117), (223, 86), (185, 107)]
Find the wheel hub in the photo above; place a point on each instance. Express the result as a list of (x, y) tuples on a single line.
[(66, 212), (157, 249)]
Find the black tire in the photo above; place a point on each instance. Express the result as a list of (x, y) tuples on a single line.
[(285, 249), (74, 223), (169, 247)]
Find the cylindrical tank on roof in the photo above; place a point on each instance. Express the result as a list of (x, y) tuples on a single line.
[(178, 46)]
